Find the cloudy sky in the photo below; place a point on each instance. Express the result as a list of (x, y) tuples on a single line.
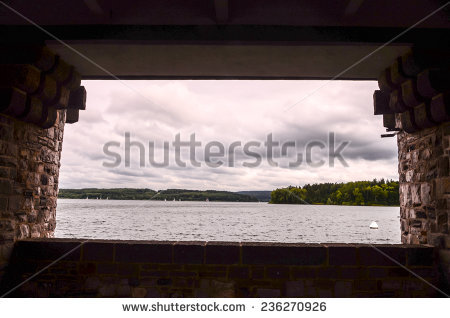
[(225, 112)]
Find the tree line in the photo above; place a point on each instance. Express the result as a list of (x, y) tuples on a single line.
[(148, 194), (375, 192)]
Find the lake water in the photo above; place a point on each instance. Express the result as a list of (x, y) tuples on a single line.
[(224, 221)]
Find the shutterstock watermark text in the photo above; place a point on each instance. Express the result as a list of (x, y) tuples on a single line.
[(214, 154)]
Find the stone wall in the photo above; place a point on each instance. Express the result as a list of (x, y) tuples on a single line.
[(414, 99), (39, 93), (213, 269), (29, 170), (424, 185), (425, 190)]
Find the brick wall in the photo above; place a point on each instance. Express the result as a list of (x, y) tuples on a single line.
[(213, 269)]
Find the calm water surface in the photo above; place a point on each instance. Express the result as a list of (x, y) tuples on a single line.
[(220, 221)]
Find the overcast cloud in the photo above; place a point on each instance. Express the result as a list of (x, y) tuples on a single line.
[(225, 111)]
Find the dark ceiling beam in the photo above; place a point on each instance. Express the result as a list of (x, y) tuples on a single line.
[(352, 7), (227, 34), (221, 9), (94, 7)]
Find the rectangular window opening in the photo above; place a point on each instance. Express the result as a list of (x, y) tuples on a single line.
[(199, 160)]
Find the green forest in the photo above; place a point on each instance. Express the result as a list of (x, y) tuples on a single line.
[(111, 194), (195, 195), (376, 192), (148, 194)]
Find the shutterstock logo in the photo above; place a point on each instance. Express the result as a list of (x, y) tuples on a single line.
[(214, 154)]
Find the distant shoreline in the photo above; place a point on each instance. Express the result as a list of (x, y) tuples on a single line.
[(356, 193), (161, 195)]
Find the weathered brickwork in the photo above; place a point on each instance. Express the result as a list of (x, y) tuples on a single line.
[(213, 269), (39, 93), (425, 190), (415, 103), (424, 185), (29, 170)]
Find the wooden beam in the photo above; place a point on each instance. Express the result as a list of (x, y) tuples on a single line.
[(410, 65), (74, 79), (61, 72), (94, 6), (72, 115), (408, 121), (431, 82), (410, 95), (61, 99), (396, 103), (352, 7), (49, 117), (77, 99), (418, 59), (23, 76), (221, 9), (12, 101), (389, 121), (34, 110), (48, 89), (440, 107), (422, 116), (381, 103), (384, 81), (397, 74)]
